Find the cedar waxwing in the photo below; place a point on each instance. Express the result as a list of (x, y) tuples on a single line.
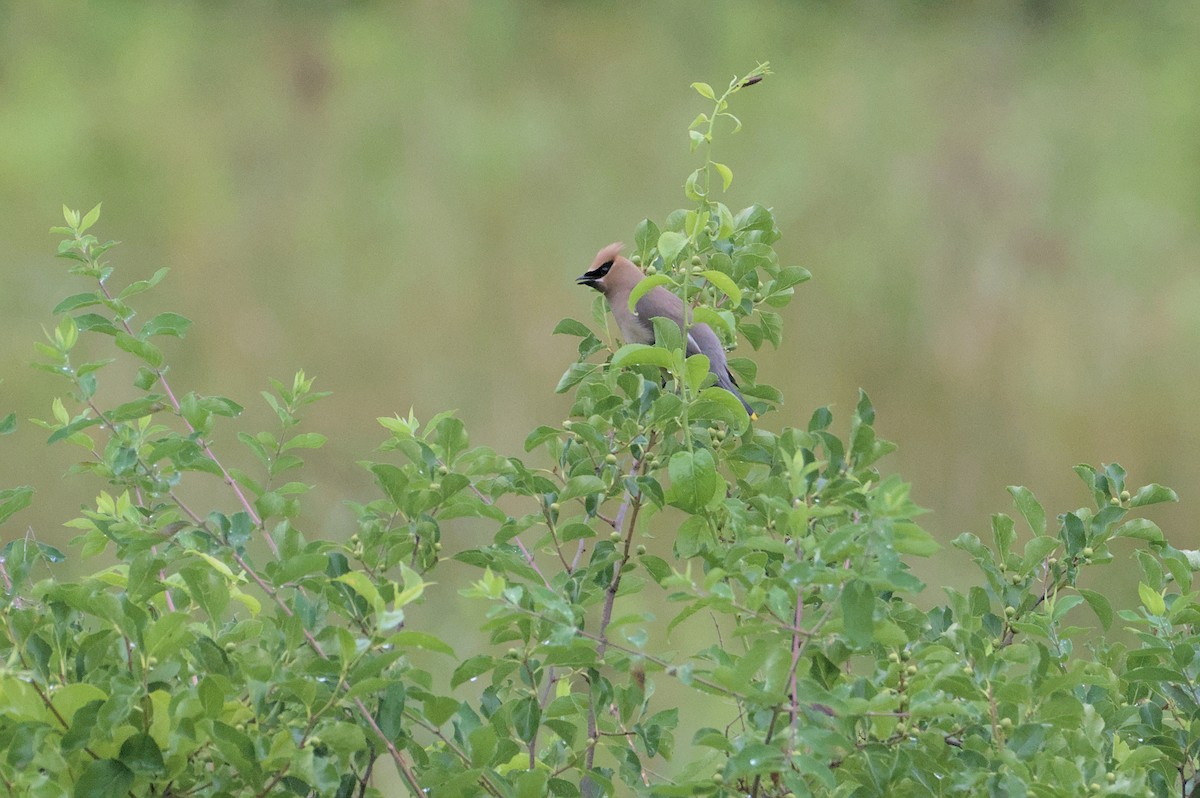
[(615, 276)]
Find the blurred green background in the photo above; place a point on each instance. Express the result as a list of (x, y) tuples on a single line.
[(999, 202)]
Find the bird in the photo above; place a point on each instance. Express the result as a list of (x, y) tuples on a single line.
[(615, 276)]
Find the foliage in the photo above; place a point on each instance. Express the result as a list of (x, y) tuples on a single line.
[(227, 653)]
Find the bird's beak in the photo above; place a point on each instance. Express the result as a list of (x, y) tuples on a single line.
[(588, 279)]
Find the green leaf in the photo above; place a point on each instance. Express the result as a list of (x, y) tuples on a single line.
[(1030, 508), (143, 349), (138, 408), (791, 276), (439, 709), (364, 587), (470, 668), (670, 244), (143, 285), (103, 778), (718, 320), (305, 440), (145, 378), (1140, 529), (527, 716), (1037, 550), (428, 642), (704, 90), (141, 754), (718, 404), (392, 480), (571, 327), (167, 324), (644, 286), (1153, 494), (858, 610), (93, 321), (70, 429), (8, 424), (756, 217), (539, 436), (725, 283), (76, 301), (1100, 605), (584, 485), (1152, 600), (90, 218), (642, 355), (694, 480), (574, 375), (912, 539), (695, 369), (13, 500), (645, 238), (726, 175), (167, 634)]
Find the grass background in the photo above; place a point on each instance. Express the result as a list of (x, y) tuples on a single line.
[(999, 202)]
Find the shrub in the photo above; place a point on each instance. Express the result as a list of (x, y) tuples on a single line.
[(229, 653)]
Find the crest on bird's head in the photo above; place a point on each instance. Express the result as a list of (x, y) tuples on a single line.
[(601, 265)]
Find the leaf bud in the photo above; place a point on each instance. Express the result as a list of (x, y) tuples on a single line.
[(1124, 498)]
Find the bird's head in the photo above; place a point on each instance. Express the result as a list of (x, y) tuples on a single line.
[(610, 271)]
